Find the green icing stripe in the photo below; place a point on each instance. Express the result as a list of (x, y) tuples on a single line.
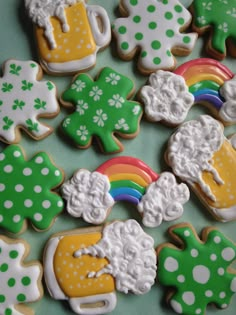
[(129, 184), (204, 85)]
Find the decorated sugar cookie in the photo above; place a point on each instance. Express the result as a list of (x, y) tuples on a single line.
[(20, 281), (23, 99), (91, 195), (218, 19), (169, 96), (26, 190), (69, 33), (200, 155), (206, 278), (102, 110), (86, 266), (154, 28)]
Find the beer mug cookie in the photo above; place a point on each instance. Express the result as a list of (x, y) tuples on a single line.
[(91, 195), (169, 96), (86, 266), (154, 30), (69, 33), (200, 155)]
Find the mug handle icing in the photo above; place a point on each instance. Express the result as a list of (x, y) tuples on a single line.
[(94, 12), (109, 300)]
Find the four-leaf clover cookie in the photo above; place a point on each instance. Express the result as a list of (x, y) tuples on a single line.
[(26, 190), (102, 108), (23, 99), (199, 273), (153, 28)]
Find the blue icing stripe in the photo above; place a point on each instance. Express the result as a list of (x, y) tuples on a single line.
[(206, 91), (128, 193)]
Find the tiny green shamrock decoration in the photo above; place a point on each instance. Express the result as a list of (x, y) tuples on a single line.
[(102, 109), (153, 29), (24, 98), (219, 16), (25, 190), (20, 282), (199, 273)]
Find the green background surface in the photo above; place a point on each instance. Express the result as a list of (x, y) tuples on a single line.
[(17, 41)]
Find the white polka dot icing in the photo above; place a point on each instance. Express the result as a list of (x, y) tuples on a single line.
[(154, 27), (199, 271), (26, 190)]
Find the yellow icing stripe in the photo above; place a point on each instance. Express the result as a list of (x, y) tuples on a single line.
[(72, 272), (76, 44), (203, 77), (224, 161), (126, 176)]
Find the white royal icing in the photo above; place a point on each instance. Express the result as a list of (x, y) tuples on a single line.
[(191, 149), (132, 259), (23, 99), (163, 200), (87, 195), (228, 109), (40, 11), (166, 97), (12, 270)]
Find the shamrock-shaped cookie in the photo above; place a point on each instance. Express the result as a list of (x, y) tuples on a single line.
[(199, 273), (25, 190), (102, 108), (23, 99)]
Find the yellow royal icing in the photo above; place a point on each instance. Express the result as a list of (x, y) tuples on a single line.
[(72, 273), (76, 44), (224, 161)]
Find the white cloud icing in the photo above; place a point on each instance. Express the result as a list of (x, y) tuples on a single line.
[(40, 11), (228, 110), (87, 195), (166, 98), (131, 255), (191, 149), (163, 200)]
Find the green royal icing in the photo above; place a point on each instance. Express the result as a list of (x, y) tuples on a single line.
[(221, 16), (25, 190), (102, 109), (199, 272)]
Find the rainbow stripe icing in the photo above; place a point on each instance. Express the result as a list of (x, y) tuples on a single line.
[(91, 195), (129, 177), (204, 78)]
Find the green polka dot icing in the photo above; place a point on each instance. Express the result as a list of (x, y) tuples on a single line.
[(205, 278), (220, 16), (102, 109), (153, 21), (20, 283), (25, 191), (23, 99)]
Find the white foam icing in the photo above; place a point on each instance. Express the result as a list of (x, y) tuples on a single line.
[(40, 11), (166, 98), (228, 110), (87, 196), (191, 149), (132, 259), (163, 200)]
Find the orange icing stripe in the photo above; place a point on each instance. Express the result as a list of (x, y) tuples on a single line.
[(206, 69), (204, 77), (72, 272), (76, 44), (129, 169), (131, 177)]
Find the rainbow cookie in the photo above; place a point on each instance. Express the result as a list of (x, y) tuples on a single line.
[(154, 29), (82, 267), (206, 278), (200, 155), (69, 33), (26, 190), (91, 195), (102, 109), (24, 97), (169, 96), (21, 282), (217, 18)]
